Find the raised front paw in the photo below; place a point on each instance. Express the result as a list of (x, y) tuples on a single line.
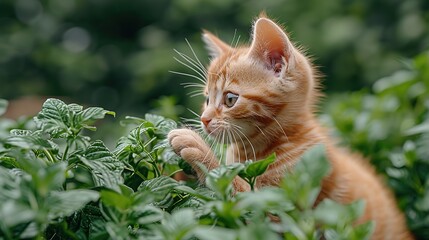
[(190, 146)]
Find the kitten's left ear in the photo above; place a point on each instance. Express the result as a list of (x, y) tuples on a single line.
[(214, 45), (271, 45)]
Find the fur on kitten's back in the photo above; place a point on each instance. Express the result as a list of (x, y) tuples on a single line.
[(261, 98)]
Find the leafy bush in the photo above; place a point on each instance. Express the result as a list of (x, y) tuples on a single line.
[(55, 182)]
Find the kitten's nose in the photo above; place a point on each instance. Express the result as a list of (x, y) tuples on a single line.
[(205, 121)]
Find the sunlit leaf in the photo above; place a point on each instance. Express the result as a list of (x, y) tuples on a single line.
[(254, 169), (54, 118)]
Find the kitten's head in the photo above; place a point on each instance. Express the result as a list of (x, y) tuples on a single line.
[(254, 89)]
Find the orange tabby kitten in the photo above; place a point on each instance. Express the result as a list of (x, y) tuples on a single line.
[(263, 97)]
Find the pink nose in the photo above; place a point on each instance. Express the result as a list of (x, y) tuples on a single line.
[(205, 121)]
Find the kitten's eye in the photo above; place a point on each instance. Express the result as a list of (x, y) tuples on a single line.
[(207, 100), (230, 99)]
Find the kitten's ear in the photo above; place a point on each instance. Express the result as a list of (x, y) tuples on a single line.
[(214, 45), (271, 45)]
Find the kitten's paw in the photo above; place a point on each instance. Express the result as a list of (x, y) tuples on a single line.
[(189, 145)]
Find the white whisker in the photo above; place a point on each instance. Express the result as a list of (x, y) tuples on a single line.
[(248, 140), (192, 84), (213, 143), (190, 67), (196, 57), (232, 146), (195, 94), (262, 132), (192, 62), (281, 128), (236, 145), (190, 120), (189, 75)]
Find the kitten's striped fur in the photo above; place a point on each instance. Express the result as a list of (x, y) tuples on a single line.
[(275, 89)]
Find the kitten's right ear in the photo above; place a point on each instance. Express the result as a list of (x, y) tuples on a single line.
[(271, 45), (214, 45)]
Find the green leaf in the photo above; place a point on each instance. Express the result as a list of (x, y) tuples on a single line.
[(50, 178), (94, 113), (165, 126), (54, 118), (154, 119), (254, 169), (117, 231), (3, 106), (220, 179), (61, 120), (160, 185), (303, 184), (418, 129), (214, 233), (28, 140), (397, 79), (148, 214), (63, 204), (256, 231), (114, 199), (178, 225), (75, 107), (315, 163), (329, 212), (97, 230), (263, 199), (9, 162), (106, 168), (13, 213), (363, 231)]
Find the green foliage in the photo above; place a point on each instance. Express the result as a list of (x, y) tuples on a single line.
[(390, 127), (55, 182)]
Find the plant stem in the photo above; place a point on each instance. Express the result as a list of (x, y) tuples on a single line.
[(172, 174), (140, 175), (65, 153), (48, 155), (155, 167)]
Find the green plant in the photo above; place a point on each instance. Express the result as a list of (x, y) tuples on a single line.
[(55, 182)]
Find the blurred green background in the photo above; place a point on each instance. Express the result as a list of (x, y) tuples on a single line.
[(117, 54)]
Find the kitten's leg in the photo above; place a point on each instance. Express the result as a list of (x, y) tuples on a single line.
[(192, 148)]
